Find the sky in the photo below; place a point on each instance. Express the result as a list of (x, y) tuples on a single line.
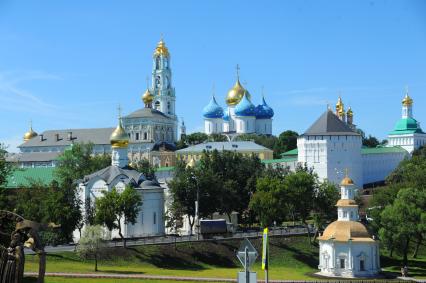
[(69, 64)]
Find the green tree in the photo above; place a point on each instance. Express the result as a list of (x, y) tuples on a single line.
[(145, 168), (92, 244), (73, 164), (324, 201), (287, 141), (302, 186), (404, 221), (217, 138), (183, 191), (6, 170), (269, 201), (196, 138), (113, 207), (236, 177)]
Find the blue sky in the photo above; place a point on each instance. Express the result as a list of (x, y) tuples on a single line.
[(68, 64)]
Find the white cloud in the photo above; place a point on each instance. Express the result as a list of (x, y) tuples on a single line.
[(14, 97)]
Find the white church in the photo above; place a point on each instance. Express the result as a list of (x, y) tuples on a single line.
[(150, 220), (240, 117), (346, 248)]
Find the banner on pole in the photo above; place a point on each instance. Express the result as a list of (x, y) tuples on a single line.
[(265, 250)]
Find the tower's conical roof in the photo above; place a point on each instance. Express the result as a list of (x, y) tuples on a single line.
[(328, 124)]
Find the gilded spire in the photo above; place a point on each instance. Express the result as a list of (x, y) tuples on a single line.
[(119, 138), (349, 113), (407, 101), (147, 97), (161, 49), (236, 93), (31, 133)]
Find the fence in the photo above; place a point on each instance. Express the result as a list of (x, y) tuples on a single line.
[(195, 238)]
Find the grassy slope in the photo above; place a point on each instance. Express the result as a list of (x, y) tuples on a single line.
[(290, 258)]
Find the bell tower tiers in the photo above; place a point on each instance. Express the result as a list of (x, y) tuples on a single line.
[(165, 98)]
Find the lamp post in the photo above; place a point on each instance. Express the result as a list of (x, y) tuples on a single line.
[(191, 164)]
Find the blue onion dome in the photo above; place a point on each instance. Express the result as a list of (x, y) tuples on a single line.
[(213, 110), (226, 115), (245, 107), (264, 111)]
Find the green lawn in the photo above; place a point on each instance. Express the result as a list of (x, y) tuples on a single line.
[(290, 258)]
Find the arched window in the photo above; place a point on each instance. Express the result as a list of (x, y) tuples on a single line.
[(168, 107), (157, 105)]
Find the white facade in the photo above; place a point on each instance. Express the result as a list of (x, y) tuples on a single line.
[(348, 259), (377, 166), (264, 126), (346, 249), (213, 126), (150, 220), (245, 125), (409, 142), (331, 155)]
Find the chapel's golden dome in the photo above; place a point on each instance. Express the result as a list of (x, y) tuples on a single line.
[(30, 134), (343, 231), (407, 101), (119, 138), (161, 49), (347, 181), (236, 93), (349, 113), (147, 97)]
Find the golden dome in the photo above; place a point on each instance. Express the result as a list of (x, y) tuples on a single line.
[(236, 93), (342, 231), (339, 105), (147, 97), (346, 202), (347, 181), (407, 101), (161, 49), (349, 112), (119, 138), (30, 134)]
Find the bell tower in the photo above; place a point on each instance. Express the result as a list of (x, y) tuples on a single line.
[(162, 88)]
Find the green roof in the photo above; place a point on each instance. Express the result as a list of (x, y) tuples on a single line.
[(382, 149), (281, 160), (161, 169), (406, 126), (290, 153), (21, 177)]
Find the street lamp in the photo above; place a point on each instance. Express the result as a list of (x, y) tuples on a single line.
[(191, 164)]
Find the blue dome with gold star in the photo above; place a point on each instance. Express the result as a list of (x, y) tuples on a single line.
[(213, 110), (245, 107), (264, 111)]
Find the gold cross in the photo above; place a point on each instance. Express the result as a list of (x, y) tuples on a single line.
[(119, 111), (347, 172), (238, 71), (147, 82)]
